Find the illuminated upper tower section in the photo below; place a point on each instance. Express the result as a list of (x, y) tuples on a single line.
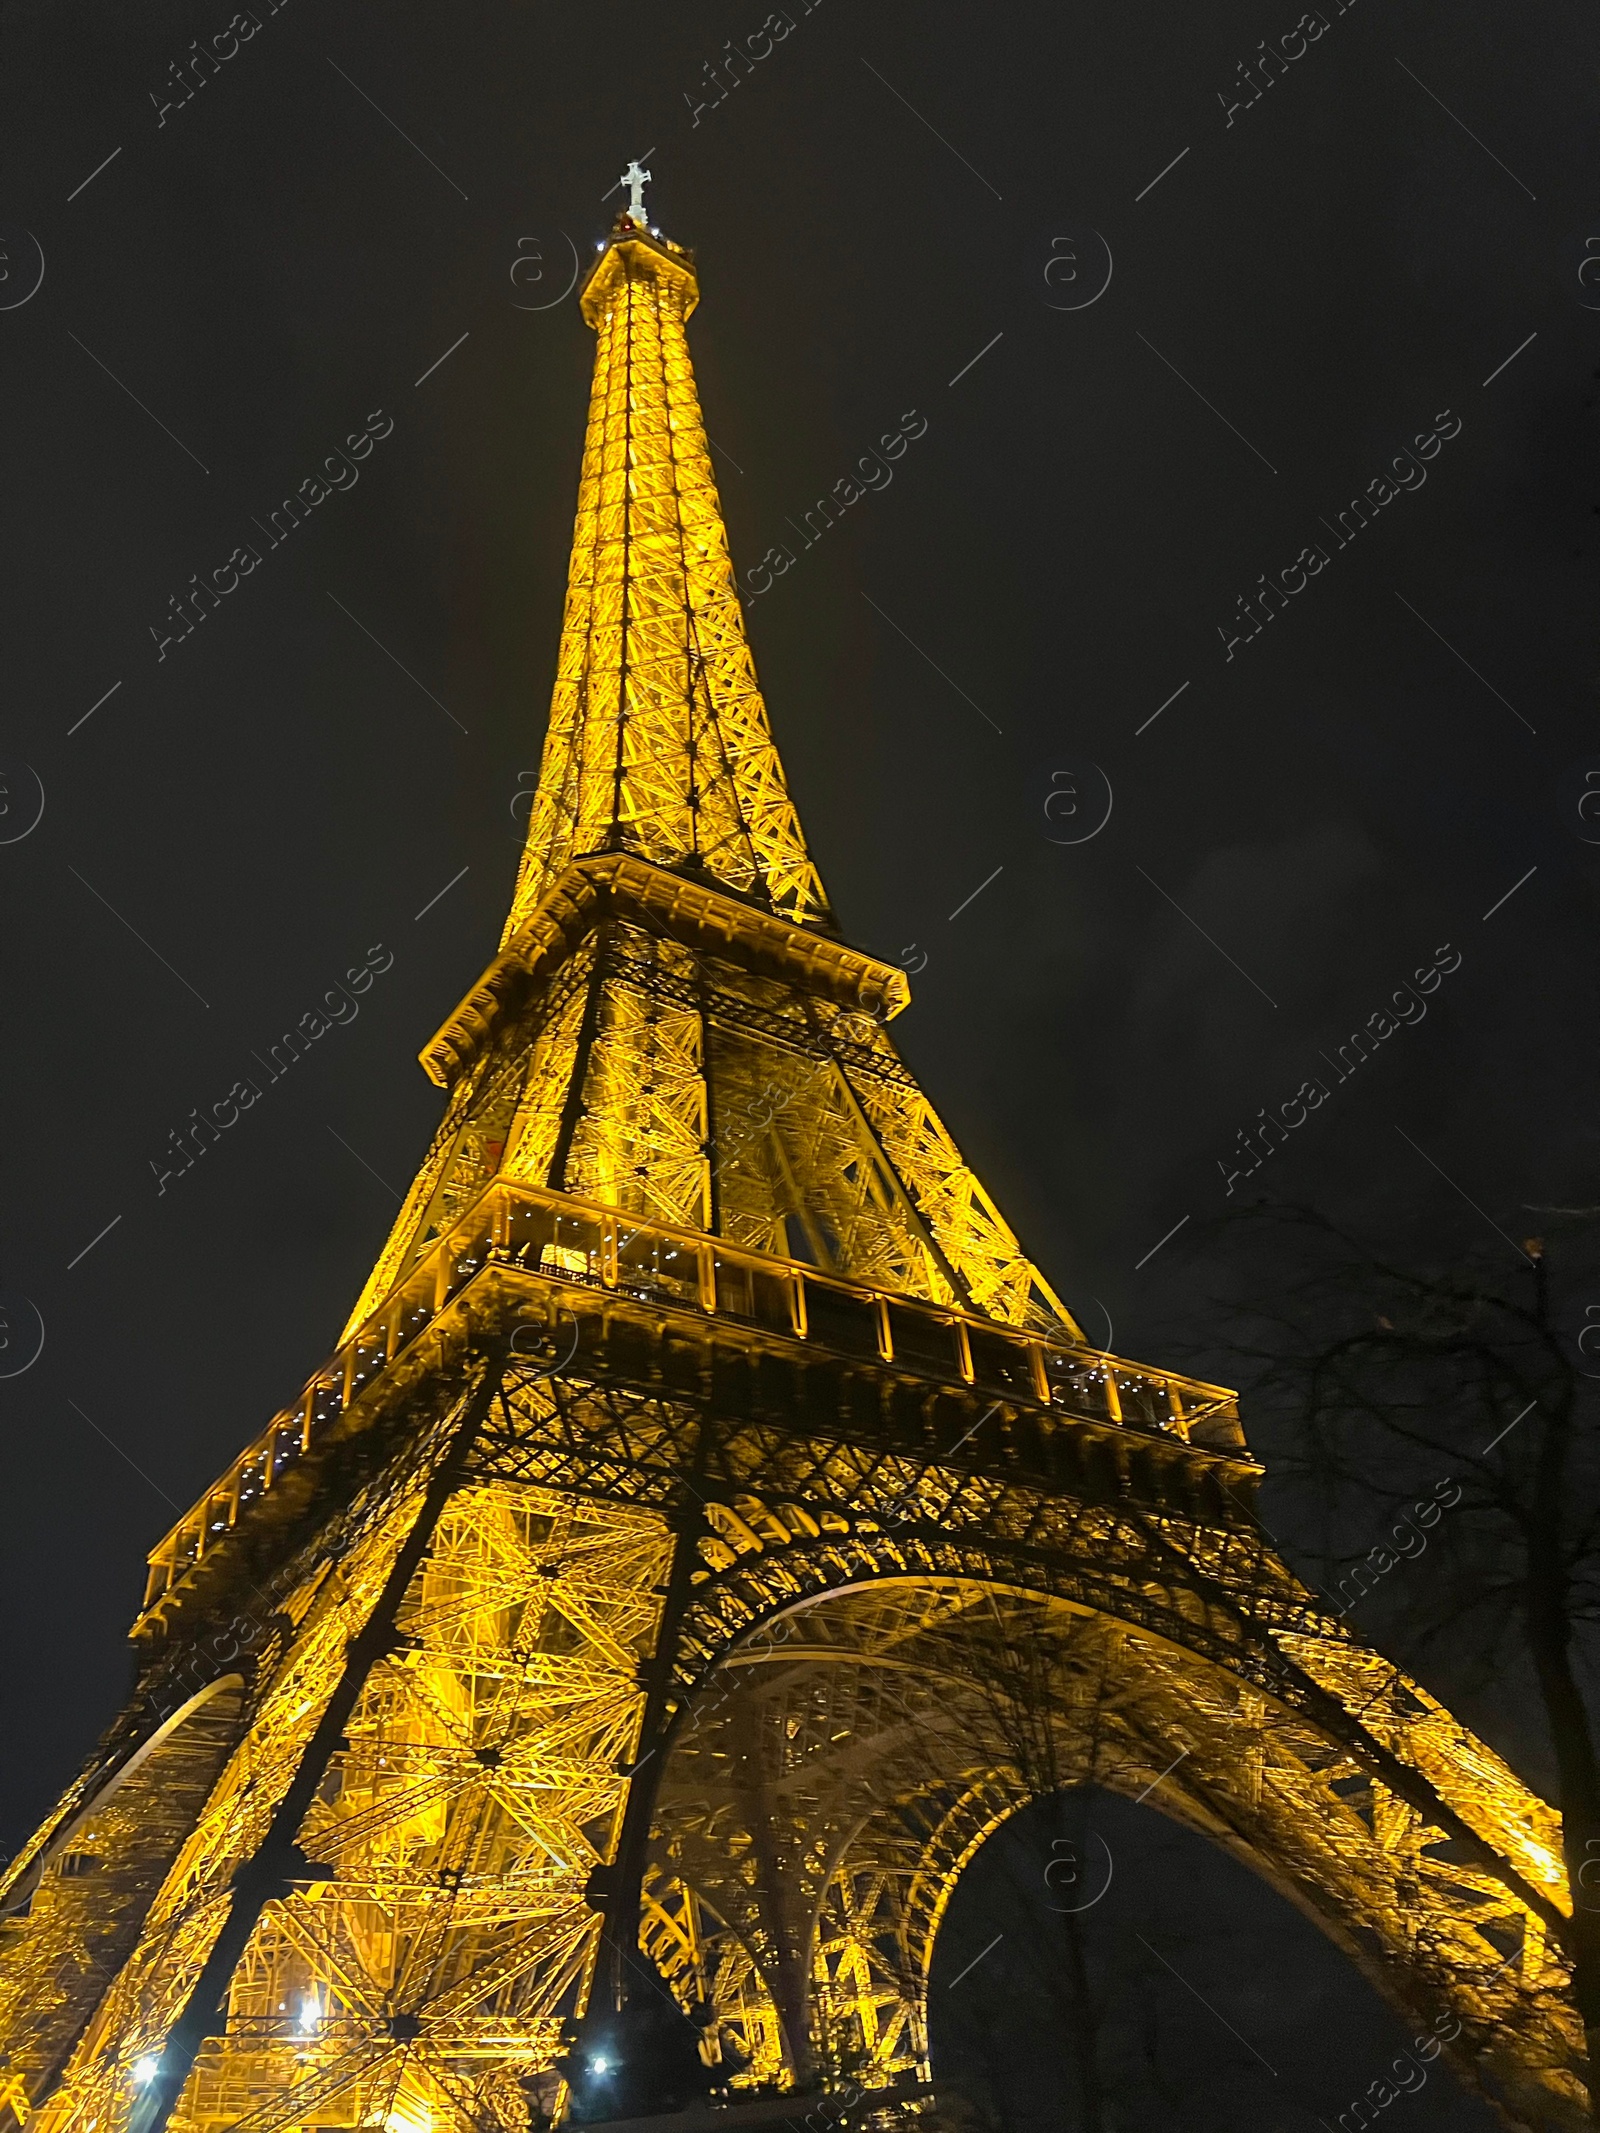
[(658, 742), (673, 1027)]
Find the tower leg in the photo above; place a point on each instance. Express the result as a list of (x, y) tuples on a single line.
[(277, 1861), (636, 2050)]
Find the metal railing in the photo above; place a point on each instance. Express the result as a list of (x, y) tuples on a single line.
[(556, 1237)]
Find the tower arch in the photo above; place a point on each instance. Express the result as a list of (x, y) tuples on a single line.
[(73, 1902), (854, 1745)]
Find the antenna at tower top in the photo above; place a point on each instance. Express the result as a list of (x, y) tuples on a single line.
[(636, 180)]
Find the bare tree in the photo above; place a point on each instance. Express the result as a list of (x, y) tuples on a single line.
[(1433, 1434), (1048, 1701)]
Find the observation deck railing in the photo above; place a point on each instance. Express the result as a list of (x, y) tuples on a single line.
[(552, 1235)]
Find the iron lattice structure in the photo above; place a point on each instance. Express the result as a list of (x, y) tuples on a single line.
[(627, 1595)]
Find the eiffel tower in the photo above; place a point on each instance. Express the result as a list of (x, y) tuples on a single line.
[(582, 1701)]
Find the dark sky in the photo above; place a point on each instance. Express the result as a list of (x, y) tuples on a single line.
[(1213, 2005), (1384, 245)]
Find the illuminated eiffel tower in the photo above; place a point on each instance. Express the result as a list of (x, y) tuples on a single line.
[(621, 1622)]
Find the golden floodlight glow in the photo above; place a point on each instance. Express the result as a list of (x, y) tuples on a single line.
[(711, 1526)]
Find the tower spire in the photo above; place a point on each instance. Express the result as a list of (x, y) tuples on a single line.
[(636, 180), (658, 742), (673, 1027)]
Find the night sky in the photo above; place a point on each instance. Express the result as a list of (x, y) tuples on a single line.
[(371, 217)]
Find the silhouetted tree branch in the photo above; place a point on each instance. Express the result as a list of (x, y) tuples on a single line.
[(1459, 1403)]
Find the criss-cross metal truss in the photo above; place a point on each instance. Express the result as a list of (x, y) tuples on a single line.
[(638, 1592), (649, 1042), (658, 740)]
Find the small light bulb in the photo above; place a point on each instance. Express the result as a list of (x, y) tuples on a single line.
[(601, 2065), (146, 2069)]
